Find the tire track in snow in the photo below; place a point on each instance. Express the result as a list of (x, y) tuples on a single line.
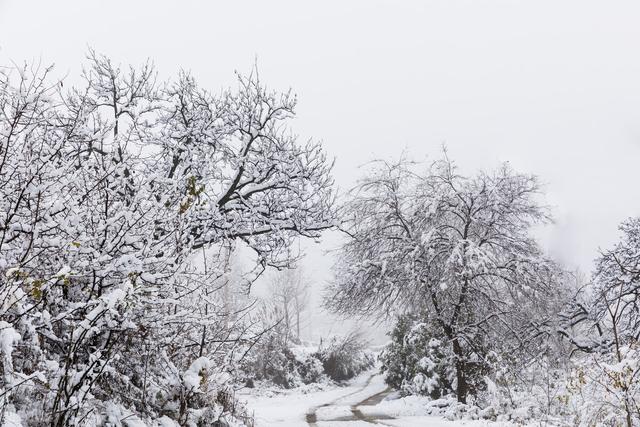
[(312, 418), (372, 401)]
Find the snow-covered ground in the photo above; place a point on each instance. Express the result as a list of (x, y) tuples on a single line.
[(362, 402)]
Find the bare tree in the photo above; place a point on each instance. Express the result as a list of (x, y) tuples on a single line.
[(289, 290), (457, 248)]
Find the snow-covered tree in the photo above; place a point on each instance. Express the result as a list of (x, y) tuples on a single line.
[(457, 248), (615, 369), (617, 285), (289, 294), (120, 202)]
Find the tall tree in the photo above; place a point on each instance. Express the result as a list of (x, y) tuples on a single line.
[(456, 248), (289, 290)]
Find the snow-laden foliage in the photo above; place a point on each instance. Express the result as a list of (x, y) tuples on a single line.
[(270, 357), (592, 376), (275, 360), (585, 374), (456, 248), (609, 377), (344, 357), (417, 361), (278, 357), (604, 389), (617, 286), (120, 202)]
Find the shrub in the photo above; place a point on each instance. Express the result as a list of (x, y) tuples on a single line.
[(345, 357), (271, 360), (418, 361), (308, 366), (275, 360)]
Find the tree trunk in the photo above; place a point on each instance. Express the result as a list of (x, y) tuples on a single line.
[(287, 319), (462, 387)]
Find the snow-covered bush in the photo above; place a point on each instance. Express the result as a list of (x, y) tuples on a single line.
[(608, 378), (418, 361), (270, 359), (344, 357), (587, 370), (415, 362), (274, 360), (591, 390), (308, 366), (603, 389)]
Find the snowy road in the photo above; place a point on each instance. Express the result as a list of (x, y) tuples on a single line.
[(360, 404), (344, 412)]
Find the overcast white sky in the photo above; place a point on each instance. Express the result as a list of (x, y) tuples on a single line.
[(551, 86)]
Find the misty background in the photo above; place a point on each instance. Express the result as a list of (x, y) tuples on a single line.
[(550, 86)]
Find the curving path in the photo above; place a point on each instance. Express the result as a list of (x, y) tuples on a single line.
[(345, 409), (358, 403)]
